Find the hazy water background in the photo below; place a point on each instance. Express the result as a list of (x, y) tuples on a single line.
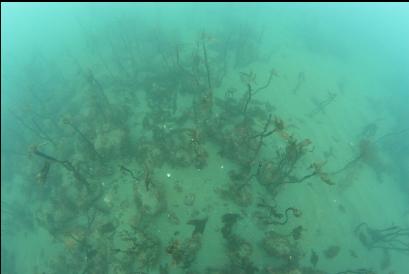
[(360, 52)]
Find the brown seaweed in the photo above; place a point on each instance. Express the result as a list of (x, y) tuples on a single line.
[(320, 106), (199, 225)]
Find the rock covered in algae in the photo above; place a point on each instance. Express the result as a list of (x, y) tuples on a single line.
[(277, 245), (240, 250), (138, 248)]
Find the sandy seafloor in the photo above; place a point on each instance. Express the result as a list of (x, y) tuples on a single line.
[(329, 213)]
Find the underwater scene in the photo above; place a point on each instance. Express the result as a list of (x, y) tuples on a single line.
[(204, 138)]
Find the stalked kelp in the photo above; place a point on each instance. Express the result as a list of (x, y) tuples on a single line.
[(66, 164), (154, 122), (249, 79), (271, 215), (299, 83), (67, 121), (280, 171), (391, 238)]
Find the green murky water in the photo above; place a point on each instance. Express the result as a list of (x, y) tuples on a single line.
[(204, 138)]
